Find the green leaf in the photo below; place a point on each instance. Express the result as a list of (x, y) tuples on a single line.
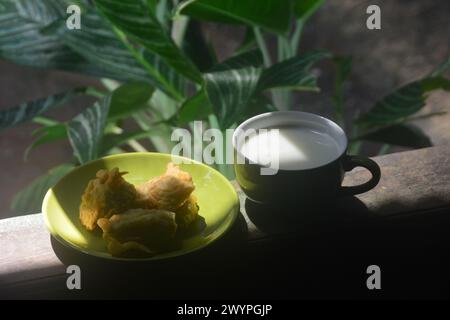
[(28, 110), (195, 108), (25, 38), (161, 9), (294, 73), (47, 134), (272, 15), (129, 98), (162, 142), (251, 58), (249, 41), (114, 140), (231, 85), (230, 91), (45, 121), (402, 103), (134, 18), (405, 135), (306, 8), (196, 47), (34, 33), (85, 131), (29, 200), (97, 42), (257, 105), (441, 68), (20, 37), (343, 70)]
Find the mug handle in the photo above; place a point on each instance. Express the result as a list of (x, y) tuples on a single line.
[(351, 162)]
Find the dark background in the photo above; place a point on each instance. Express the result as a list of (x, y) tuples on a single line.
[(413, 40)]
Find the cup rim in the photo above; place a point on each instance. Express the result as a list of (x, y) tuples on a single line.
[(296, 113)]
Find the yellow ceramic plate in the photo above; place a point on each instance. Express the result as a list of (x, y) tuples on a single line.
[(217, 199)]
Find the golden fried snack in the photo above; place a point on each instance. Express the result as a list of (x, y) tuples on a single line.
[(168, 191), (187, 213), (139, 232), (104, 196)]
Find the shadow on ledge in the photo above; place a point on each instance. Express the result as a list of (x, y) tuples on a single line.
[(194, 275), (308, 219), (325, 258), (330, 247)]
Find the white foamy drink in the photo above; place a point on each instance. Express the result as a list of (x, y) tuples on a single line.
[(291, 147)]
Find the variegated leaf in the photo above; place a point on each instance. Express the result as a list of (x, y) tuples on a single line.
[(28, 110), (34, 33), (85, 131), (23, 41), (195, 108), (114, 140), (230, 91), (402, 103), (294, 73), (128, 99), (406, 135), (229, 87), (47, 134), (272, 15), (99, 45), (136, 19), (29, 200), (303, 9)]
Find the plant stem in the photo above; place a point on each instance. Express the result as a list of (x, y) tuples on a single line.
[(338, 113), (425, 116), (161, 9), (167, 106), (214, 124), (280, 50), (384, 149), (355, 146), (159, 142), (262, 46), (170, 89), (134, 144), (296, 36), (197, 129), (225, 168), (179, 27), (94, 92), (45, 121), (282, 97), (109, 84), (116, 150), (276, 97)]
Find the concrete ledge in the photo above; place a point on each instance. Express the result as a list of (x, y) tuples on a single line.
[(415, 186)]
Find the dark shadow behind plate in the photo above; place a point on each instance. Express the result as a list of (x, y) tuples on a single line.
[(191, 275)]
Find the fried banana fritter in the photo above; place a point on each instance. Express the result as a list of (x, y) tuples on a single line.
[(187, 213), (139, 232), (168, 191), (141, 221), (106, 195)]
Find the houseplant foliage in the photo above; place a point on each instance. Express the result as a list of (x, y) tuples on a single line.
[(165, 75)]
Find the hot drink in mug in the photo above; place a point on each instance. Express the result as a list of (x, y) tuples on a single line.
[(304, 156)]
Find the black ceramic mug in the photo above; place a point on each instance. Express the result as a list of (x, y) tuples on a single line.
[(311, 185)]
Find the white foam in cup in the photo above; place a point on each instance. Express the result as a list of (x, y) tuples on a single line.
[(304, 142)]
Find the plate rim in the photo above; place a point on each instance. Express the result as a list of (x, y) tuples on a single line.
[(233, 212)]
